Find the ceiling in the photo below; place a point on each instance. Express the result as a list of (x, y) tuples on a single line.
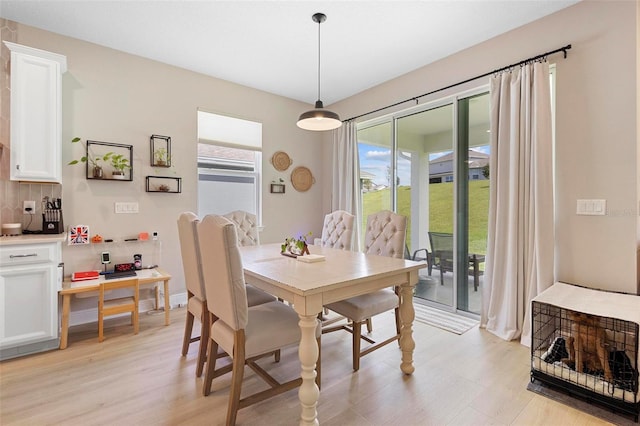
[(272, 45)]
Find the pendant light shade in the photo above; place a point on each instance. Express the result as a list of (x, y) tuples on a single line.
[(319, 119)]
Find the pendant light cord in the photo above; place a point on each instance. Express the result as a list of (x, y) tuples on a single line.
[(319, 22)]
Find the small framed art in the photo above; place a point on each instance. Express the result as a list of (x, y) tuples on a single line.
[(277, 188)]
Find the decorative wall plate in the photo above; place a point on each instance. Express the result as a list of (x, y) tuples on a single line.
[(302, 179), (281, 161)]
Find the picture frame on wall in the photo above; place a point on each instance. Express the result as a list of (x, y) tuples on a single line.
[(277, 188)]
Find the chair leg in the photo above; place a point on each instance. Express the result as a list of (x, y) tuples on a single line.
[(276, 356), (188, 328), (319, 363), (236, 378), (212, 351), (204, 338), (441, 275), (357, 332), (398, 324), (369, 325)]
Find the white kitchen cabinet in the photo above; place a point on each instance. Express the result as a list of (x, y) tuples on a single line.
[(36, 114), (29, 284)]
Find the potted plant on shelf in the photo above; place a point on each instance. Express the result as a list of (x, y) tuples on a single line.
[(96, 169), (119, 164), (162, 157)]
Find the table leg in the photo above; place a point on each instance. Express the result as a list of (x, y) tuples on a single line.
[(308, 353), (167, 306), (407, 315), (64, 331)]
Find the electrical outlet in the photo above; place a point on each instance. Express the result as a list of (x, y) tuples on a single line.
[(28, 207)]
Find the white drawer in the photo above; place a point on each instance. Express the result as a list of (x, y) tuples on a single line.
[(27, 254)]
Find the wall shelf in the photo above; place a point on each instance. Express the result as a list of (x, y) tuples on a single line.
[(166, 184), (160, 151), (99, 150), (277, 188)]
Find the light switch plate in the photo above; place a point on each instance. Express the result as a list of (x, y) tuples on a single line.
[(126, 208), (591, 207)]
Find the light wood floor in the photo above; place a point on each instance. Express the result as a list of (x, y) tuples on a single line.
[(473, 379)]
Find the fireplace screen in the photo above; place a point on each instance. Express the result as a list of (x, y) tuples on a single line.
[(589, 355)]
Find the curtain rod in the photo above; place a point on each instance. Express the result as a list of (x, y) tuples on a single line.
[(415, 98)]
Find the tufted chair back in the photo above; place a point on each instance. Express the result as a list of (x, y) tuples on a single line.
[(337, 231), (385, 234), (246, 226)]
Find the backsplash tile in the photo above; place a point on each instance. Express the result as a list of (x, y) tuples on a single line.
[(13, 195)]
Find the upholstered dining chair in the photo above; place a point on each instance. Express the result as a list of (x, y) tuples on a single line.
[(246, 333), (247, 227), (384, 236), (120, 305), (337, 230), (197, 301)]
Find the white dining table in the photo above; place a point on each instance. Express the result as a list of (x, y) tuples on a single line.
[(310, 286)]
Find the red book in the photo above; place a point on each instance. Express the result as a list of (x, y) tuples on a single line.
[(86, 275)]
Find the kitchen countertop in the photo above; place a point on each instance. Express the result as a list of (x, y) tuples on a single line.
[(32, 239)]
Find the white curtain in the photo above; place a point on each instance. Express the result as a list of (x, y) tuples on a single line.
[(521, 238), (346, 175)]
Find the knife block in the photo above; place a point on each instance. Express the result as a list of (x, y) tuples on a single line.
[(52, 222)]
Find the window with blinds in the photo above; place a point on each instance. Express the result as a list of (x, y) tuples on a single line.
[(229, 165)]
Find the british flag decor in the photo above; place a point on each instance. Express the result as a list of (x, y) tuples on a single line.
[(78, 234)]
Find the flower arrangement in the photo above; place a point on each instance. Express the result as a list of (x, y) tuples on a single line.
[(296, 247)]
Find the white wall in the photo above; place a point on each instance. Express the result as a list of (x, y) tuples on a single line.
[(596, 135), (116, 97)]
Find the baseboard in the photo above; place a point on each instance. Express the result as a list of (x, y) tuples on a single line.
[(86, 316), (178, 300)]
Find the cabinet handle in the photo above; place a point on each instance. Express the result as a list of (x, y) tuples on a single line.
[(12, 256)]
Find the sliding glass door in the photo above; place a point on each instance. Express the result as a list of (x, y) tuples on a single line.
[(431, 165), (375, 148), (425, 155), (473, 195)]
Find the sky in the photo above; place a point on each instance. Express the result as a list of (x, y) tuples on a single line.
[(376, 160)]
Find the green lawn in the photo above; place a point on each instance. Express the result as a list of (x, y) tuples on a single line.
[(441, 209)]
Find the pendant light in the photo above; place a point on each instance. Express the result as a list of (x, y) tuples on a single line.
[(319, 119)]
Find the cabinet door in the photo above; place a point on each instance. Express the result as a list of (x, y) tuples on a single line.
[(35, 118), (28, 307)]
